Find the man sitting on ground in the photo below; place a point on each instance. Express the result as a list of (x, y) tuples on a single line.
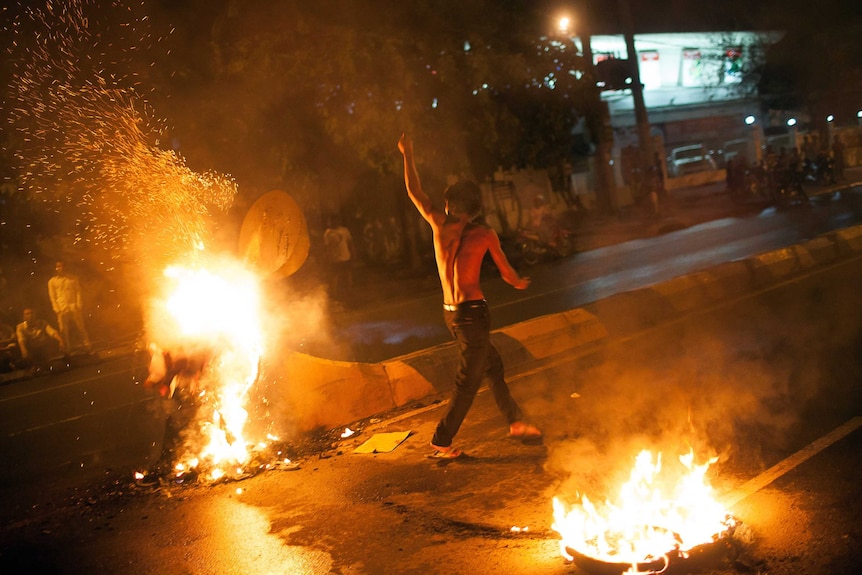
[(37, 340)]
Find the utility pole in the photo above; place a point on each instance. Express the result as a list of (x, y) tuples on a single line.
[(641, 117), (601, 132)]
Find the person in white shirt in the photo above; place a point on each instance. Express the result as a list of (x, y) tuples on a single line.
[(338, 242), (65, 293)]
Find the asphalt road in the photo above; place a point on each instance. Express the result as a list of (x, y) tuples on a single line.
[(62, 432), (756, 381), (404, 322)]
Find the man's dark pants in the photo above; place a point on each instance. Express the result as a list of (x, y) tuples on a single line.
[(470, 325)]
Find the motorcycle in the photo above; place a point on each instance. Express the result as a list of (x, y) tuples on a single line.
[(781, 188), (787, 189), (533, 247)]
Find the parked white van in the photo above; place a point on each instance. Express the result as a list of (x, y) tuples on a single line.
[(689, 159)]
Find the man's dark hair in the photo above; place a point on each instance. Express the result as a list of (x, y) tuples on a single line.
[(464, 197)]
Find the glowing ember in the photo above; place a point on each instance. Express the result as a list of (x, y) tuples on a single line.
[(658, 512), (347, 433), (212, 317), (91, 147)]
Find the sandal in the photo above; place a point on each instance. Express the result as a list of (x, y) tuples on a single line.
[(525, 431), (445, 452)]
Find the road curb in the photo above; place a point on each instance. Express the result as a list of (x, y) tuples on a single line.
[(344, 392)]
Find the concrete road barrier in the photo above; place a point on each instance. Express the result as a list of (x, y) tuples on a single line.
[(770, 267), (848, 241), (331, 393)]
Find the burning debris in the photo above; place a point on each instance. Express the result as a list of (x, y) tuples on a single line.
[(207, 343), (92, 151), (662, 514)]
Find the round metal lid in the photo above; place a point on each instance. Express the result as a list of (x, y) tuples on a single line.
[(274, 236)]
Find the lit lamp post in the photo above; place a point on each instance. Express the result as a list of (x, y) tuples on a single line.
[(599, 121), (791, 123), (756, 136), (564, 23)]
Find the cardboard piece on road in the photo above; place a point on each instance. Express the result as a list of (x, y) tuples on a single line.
[(382, 442)]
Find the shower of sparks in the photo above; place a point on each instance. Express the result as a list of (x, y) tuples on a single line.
[(88, 148), (87, 141)]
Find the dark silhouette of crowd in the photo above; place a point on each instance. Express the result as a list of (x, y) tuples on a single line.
[(783, 174), (10, 355)]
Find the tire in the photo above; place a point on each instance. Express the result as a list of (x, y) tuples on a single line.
[(529, 252)]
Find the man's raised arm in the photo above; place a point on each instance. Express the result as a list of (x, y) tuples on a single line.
[(411, 179)]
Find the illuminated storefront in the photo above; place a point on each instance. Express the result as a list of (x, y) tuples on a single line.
[(695, 88)]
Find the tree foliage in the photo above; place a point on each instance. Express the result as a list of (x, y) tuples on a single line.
[(293, 86), (817, 69)]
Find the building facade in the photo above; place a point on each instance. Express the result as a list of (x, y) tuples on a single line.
[(695, 86)]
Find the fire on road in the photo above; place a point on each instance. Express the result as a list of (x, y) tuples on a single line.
[(735, 379)]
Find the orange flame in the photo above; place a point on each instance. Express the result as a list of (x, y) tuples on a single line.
[(215, 314), (658, 511)]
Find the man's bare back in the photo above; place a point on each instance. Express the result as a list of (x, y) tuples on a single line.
[(459, 244), (459, 250)]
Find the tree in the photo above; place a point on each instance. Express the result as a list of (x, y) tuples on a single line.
[(305, 96), (310, 97), (818, 70), (304, 86)]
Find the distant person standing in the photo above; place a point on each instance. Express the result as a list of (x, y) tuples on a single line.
[(837, 158), (65, 293), (541, 220), (809, 149), (338, 242), (730, 179), (658, 192)]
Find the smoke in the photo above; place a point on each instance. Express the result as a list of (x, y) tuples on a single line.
[(299, 320), (739, 386)]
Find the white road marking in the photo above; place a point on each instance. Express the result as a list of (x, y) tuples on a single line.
[(757, 483)]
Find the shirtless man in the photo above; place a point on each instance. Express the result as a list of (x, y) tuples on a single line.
[(460, 246)]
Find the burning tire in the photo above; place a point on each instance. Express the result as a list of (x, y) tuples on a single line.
[(703, 557)]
